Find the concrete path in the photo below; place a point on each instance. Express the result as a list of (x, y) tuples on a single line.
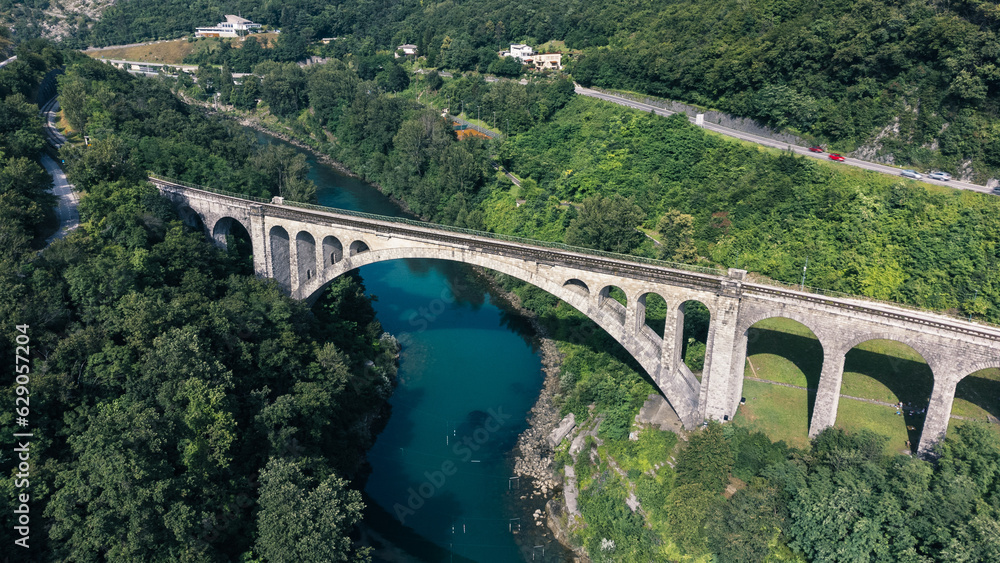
[(804, 151), (69, 218)]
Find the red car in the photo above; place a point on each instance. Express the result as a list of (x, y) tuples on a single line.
[(816, 149), (837, 157)]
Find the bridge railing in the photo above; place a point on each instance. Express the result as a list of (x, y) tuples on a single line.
[(513, 239), (206, 188), (459, 230), (772, 284), (569, 248)]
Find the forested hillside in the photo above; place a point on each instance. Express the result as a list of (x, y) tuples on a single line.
[(706, 199), (180, 409), (912, 82)]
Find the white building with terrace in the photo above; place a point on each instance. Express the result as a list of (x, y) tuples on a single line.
[(234, 26)]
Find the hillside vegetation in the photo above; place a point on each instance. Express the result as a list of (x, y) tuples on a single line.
[(911, 82), (182, 409)]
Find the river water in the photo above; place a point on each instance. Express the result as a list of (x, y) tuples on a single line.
[(441, 486)]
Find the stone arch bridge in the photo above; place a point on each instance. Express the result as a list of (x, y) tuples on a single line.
[(305, 247)]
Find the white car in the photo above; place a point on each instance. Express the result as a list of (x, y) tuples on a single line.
[(937, 175), (911, 174)]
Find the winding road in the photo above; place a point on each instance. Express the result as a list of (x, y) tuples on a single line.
[(69, 217), (804, 151)]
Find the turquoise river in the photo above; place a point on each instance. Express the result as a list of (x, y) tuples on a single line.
[(441, 486)]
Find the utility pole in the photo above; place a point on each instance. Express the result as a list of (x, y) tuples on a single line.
[(803, 285)]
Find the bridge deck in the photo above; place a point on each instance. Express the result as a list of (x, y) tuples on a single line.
[(551, 253)]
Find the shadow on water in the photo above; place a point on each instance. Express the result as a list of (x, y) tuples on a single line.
[(804, 352), (404, 537), (410, 499)]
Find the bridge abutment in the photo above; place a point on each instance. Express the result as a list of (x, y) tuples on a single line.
[(938, 413), (717, 379), (828, 394)]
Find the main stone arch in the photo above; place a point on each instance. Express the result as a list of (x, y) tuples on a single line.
[(223, 227), (646, 351)]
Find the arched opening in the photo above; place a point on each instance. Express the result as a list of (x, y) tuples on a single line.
[(612, 300), (599, 332), (233, 236), (357, 247), (886, 389), (190, 217), (784, 361), (281, 257), (577, 286), (693, 320), (333, 251), (977, 397), (652, 313), (305, 251)]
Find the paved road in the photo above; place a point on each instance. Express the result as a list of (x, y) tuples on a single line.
[(52, 134), (69, 217), (804, 151), (8, 61)]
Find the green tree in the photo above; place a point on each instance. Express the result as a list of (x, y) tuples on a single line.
[(306, 519), (607, 223), (394, 78), (434, 80), (707, 459), (688, 507), (742, 529), (677, 237)]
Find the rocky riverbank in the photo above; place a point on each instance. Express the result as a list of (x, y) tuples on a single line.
[(533, 455)]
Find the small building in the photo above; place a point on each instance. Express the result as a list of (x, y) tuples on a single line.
[(551, 61), (408, 50), (234, 26), (521, 51)]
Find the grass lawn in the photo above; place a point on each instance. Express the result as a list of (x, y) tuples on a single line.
[(167, 52), (889, 371), (779, 412), (173, 52), (855, 416), (785, 351), (978, 395)]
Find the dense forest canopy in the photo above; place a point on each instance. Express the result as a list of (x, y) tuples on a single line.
[(182, 409), (704, 198)]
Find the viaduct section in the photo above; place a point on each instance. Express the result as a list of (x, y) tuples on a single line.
[(304, 248)]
